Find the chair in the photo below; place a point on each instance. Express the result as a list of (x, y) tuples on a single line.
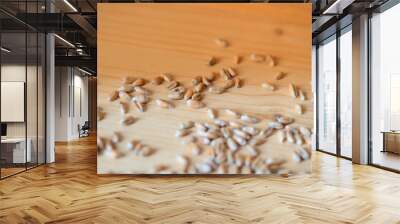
[(84, 130)]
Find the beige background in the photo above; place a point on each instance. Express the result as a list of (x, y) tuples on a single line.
[(145, 40)]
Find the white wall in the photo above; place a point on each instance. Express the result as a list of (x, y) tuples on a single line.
[(12, 73), (70, 83), (80, 109), (61, 103)]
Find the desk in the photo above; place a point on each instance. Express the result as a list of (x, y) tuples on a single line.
[(16, 147), (391, 141)]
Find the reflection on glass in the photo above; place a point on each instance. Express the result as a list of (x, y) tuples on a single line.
[(31, 97), (22, 91), (14, 153), (346, 94), (385, 84), (41, 99), (327, 96)]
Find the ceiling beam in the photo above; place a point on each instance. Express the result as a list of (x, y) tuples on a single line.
[(77, 61), (84, 24), (337, 7)]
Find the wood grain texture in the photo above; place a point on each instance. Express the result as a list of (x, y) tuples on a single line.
[(145, 40), (392, 143), (70, 191)]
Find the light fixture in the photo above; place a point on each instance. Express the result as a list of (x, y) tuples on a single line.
[(64, 40), (84, 71), (337, 7), (79, 51), (5, 50), (70, 5)]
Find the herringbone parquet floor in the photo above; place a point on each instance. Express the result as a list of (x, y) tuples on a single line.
[(69, 191)]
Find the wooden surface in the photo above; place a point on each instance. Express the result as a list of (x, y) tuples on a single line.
[(10, 171), (145, 40), (392, 142), (386, 159), (70, 191)]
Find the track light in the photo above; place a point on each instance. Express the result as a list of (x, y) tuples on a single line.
[(70, 5), (64, 40), (5, 50)]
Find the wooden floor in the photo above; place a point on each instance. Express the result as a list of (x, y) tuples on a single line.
[(69, 191), (10, 171), (386, 159)]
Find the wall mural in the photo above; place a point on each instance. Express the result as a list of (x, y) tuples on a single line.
[(204, 88)]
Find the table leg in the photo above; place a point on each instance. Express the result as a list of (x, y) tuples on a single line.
[(384, 142)]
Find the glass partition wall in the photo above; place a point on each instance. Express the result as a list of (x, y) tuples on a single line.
[(22, 107), (334, 105), (13, 123)]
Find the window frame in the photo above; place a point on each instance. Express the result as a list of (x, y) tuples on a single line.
[(378, 10), (334, 37)]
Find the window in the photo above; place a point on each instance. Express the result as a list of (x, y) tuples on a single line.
[(327, 95), (333, 137), (385, 89), (346, 92)]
